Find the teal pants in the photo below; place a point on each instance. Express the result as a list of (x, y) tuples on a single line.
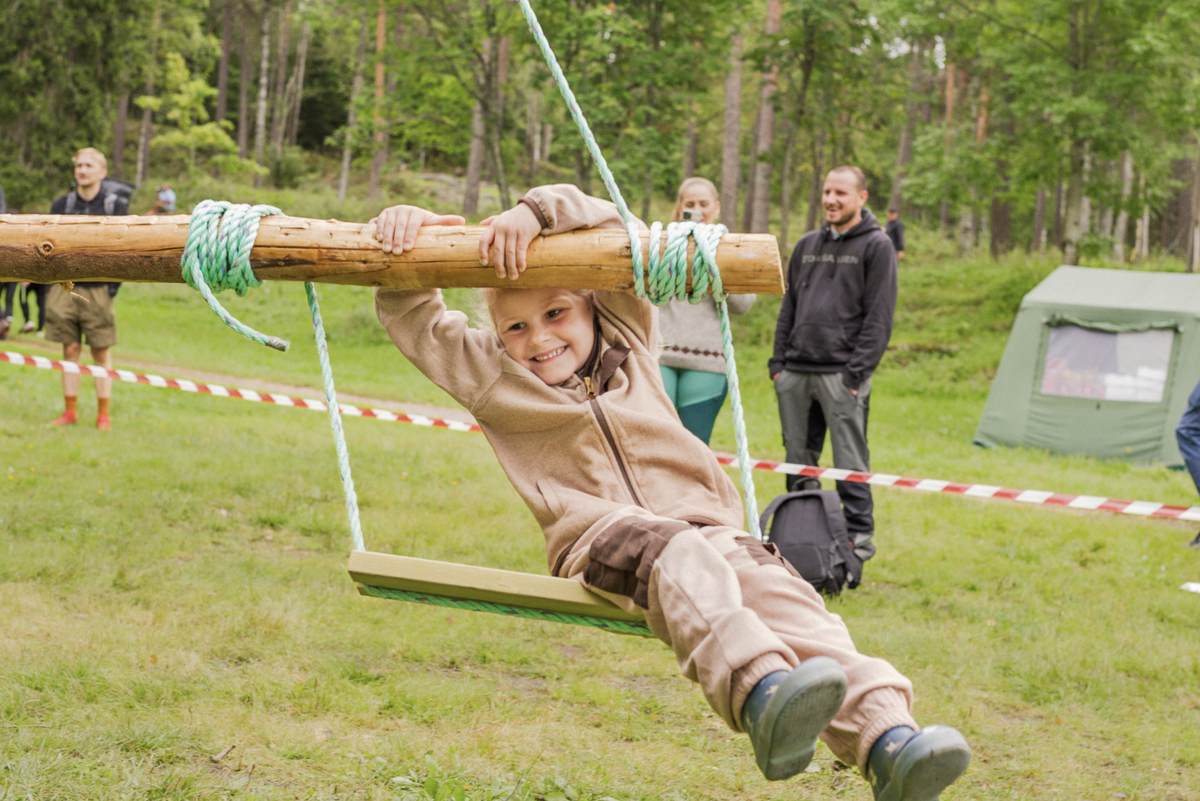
[(698, 397)]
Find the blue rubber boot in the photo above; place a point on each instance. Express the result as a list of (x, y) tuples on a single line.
[(785, 712), (907, 765)]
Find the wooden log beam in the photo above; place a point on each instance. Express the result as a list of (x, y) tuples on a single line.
[(52, 249)]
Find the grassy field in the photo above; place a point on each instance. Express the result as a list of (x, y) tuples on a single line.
[(175, 589)]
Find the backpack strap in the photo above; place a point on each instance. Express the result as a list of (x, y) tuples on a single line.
[(70, 209), (110, 203), (780, 501)]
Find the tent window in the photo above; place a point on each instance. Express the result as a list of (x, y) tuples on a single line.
[(1081, 363)]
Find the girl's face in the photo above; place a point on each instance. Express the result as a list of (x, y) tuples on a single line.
[(700, 198), (549, 332)]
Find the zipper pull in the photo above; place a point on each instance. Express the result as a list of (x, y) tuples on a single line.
[(587, 383)]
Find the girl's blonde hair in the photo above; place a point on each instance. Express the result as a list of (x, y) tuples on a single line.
[(677, 216), (486, 298)]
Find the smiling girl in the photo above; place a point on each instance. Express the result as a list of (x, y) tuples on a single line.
[(567, 389)]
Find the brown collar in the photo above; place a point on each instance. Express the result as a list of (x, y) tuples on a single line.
[(601, 366)]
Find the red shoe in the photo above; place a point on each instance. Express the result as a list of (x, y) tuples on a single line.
[(67, 419), (5, 324), (102, 422)]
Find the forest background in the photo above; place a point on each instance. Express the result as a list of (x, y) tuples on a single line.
[(1003, 123)]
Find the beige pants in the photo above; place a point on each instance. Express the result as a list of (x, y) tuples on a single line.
[(733, 611)]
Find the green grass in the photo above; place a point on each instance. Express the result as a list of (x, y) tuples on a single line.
[(177, 586)]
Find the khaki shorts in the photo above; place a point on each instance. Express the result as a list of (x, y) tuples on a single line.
[(68, 318)]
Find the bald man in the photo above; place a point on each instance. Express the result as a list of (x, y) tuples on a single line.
[(88, 312), (833, 328)]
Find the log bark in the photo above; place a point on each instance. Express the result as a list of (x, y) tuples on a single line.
[(51, 248)]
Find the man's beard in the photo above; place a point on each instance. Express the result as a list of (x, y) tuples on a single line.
[(847, 217)]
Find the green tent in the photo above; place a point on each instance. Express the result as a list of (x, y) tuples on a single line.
[(1099, 362)]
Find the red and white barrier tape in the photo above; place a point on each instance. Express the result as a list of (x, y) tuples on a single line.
[(225, 392), (1092, 502)]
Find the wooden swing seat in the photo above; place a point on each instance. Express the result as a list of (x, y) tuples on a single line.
[(485, 584)]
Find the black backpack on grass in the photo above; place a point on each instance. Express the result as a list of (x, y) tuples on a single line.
[(809, 529)]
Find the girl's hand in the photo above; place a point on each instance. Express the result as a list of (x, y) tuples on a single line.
[(507, 236), (396, 227)]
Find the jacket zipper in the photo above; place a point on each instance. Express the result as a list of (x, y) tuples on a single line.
[(612, 443)]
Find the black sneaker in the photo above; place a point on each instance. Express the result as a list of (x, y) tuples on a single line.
[(785, 712), (1196, 542)]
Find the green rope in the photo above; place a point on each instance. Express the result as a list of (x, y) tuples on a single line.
[(615, 626), (217, 257), (667, 277)]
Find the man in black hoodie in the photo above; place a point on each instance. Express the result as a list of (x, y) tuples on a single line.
[(833, 329)]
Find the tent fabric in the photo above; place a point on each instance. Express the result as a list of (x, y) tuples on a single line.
[(1112, 328), (1099, 362)]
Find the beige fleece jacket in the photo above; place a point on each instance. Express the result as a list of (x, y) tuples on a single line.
[(572, 458)]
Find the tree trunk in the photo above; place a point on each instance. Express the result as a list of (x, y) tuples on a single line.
[(785, 182), (1001, 227), (533, 134), (360, 56), (260, 112), (245, 78), (1059, 208), (1073, 224), (279, 112), (751, 173), (583, 170), (1193, 257), (118, 155), (1037, 242), (817, 188), (766, 129), (731, 168), (547, 137), (494, 126), (474, 163), (951, 90), (1144, 245), (143, 153), (1121, 231), (297, 84), (916, 82), (223, 64), (379, 138), (689, 148)]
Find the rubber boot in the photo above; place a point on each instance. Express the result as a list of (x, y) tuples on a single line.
[(785, 712), (907, 765)]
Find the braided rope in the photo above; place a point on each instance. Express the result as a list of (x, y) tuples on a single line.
[(335, 418), (615, 626), (217, 257), (667, 277)]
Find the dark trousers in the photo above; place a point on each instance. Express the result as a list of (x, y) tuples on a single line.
[(39, 293), (810, 404), (7, 289)]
